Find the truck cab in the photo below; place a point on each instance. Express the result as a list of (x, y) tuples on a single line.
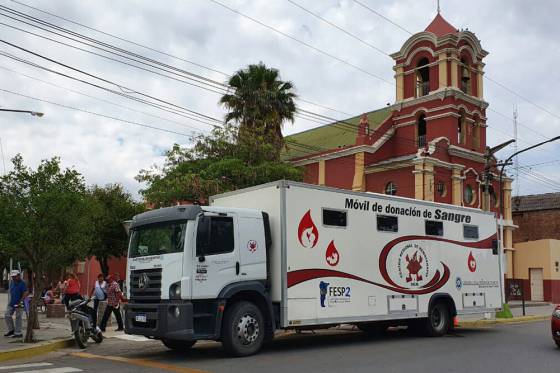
[(191, 266)]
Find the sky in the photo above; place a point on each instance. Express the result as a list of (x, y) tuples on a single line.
[(207, 39)]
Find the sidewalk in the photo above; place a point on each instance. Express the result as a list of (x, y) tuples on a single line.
[(533, 310), (54, 333)]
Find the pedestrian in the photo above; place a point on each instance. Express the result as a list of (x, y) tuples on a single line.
[(99, 294), (114, 298), (18, 292), (72, 290)]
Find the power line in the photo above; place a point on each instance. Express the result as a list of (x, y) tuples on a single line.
[(118, 93), (303, 43), (94, 113), (99, 99), (159, 51), (340, 28), (381, 16), (120, 38), (120, 86)]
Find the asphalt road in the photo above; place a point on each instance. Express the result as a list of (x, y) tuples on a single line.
[(509, 348)]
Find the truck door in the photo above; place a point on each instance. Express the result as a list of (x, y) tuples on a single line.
[(216, 257)]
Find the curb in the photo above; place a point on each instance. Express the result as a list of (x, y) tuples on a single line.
[(36, 349), (513, 320)]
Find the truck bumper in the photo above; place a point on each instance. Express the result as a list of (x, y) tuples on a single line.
[(173, 320)]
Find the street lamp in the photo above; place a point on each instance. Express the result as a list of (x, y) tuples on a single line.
[(34, 113)]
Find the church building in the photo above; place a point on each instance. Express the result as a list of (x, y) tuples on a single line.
[(430, 144)]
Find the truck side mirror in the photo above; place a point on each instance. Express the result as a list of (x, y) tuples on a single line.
[(495, 246)]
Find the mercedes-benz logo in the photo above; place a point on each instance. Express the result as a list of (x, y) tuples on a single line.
[(143, 281)]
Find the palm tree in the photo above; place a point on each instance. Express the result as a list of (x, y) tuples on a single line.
[(260, 102)]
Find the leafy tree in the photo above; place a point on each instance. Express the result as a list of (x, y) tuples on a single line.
[(261, 102), (217, 163), (44, 217), (113, 206)]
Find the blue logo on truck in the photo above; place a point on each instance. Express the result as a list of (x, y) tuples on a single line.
[(323, 288)]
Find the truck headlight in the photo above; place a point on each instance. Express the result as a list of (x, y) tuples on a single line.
[(175, 291), (556, 313)]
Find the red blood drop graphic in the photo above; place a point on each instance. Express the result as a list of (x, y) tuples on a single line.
[(331, 255), (307, 231), (472, 262)]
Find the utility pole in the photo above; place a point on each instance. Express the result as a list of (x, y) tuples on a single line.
[(488, 177)]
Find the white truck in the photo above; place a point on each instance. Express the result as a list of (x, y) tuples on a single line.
[(288, 255)]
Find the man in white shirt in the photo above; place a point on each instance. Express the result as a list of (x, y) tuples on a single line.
[(98, 293)]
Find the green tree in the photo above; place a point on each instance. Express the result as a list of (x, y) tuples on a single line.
[(217, 163), (260, 102), (44, 218), (113, 206)]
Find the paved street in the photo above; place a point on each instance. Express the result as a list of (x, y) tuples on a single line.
[(505, 348)]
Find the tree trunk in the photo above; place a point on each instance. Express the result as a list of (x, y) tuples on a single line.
[(104, 264), (33, 317)]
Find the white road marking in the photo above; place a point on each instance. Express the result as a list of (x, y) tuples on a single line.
[(52, 370), (23, 366)]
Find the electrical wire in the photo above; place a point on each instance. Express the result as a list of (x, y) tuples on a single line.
[(95, 113)]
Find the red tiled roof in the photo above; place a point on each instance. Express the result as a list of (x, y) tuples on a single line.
[(440, 26)]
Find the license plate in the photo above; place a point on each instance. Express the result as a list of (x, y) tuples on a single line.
[(140, 318)]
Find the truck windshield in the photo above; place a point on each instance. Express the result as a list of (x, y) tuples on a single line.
[(157, 239)]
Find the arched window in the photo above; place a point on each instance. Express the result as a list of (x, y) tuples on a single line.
[(465, 77), (422, 78), (422, 131), (391, 188), (469, 195)]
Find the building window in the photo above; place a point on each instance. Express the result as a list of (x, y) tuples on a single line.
[(391, 188), (470, 232), (334, 218), (469, 195), (465, 77), (421, 131), (387, 223), (422, 78), (441, 188), (434, 228)]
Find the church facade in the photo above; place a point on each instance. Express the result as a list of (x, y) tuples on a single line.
[(430, 144)]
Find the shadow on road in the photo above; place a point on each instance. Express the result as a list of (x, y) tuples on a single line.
[(305, 341)]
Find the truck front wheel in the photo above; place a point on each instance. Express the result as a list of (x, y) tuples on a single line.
[(439, 320), (243, 329)]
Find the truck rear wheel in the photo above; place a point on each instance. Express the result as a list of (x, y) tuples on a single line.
[(243, 330), (175, 345), (439, 320)]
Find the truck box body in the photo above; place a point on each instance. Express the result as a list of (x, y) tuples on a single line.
[(339, 256)]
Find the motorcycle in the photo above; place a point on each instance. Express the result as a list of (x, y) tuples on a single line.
[(81, 320)]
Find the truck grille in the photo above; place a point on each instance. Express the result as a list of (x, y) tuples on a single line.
[(145, 285)]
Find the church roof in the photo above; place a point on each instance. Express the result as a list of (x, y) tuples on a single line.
[(439, 26), (331, 136)]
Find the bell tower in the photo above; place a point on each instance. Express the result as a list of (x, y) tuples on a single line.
[(438, 74)]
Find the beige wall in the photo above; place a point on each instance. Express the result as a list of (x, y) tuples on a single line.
[(537, 254), (554, 257)]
